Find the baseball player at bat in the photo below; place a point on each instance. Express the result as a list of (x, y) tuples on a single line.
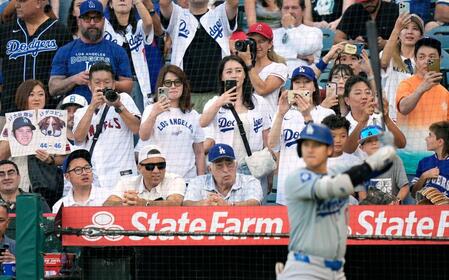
[(318, 206)]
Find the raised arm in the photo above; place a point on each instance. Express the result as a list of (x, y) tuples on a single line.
[(392, 42), (144, 15), (250, 11), (166, 7), (232, 8)]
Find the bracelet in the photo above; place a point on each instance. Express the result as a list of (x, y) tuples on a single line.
[(321, 65), (249, 66), (152, 12), (147, 203)]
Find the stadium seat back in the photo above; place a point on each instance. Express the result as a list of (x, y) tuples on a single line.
[(328, 40), (441, 33)]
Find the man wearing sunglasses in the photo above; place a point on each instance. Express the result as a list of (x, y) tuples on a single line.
[(71, 64), (223, 185), (153, 187), (77, 169)]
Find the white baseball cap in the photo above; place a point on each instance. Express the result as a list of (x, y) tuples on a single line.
[(150, 151), (73, 99), (446, 2)]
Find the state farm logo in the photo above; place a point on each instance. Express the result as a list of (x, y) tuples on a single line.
[(103, 220)]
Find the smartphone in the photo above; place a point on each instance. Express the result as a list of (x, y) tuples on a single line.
[(355, 49), (162, 93), (291, 96), (434, 65), (404, 7), (307, 95), (331, 89), (228, 84)]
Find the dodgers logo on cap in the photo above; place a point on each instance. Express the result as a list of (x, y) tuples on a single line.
[(309, 130), (222, 151), (91, 5)]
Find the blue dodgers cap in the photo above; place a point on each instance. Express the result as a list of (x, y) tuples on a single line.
[(21, 122), (315, 132), (304, 71), (81, 153), (369, 132), (219, 151), (91, 6)]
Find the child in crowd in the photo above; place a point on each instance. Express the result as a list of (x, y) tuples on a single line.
[(433, 171), (393, 182)]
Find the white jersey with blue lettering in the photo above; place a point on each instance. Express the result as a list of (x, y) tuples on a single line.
[(292, 124), (317, 227)]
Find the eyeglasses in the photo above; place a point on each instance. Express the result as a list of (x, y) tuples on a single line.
[(225, 163), (79, 170), (337, 78), (170, 83), (88, 19), (11, 172), (151, 166)]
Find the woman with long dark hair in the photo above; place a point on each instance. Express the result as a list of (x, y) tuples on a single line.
[(172, 125), (124, 29)]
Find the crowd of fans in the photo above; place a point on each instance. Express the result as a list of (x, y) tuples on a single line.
[(172, 133)]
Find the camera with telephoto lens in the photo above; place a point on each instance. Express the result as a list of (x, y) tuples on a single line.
[(242, 45), (110, 94)]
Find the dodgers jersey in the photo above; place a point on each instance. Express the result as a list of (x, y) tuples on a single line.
[(317, 227), (78, 56), (442, 181)]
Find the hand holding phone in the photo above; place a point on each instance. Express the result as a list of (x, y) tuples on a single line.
[(331, 89), (162, 93), (434, 65), (404, 7)]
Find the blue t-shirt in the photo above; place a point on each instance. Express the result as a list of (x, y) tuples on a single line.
[(78, 56), (442, 181)]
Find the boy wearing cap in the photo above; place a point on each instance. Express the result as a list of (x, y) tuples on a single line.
[(71, 103), (317, 206), (77, 168), (22, 129), (223, 185), (154, 187), (290, 119), (71, 64), (394, 181)]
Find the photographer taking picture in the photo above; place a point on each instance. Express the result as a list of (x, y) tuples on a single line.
[(106, 127), (269, 71)]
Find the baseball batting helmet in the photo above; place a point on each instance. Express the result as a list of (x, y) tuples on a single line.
[(315, 132)]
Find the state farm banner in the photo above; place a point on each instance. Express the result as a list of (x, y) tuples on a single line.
[(423, 221)]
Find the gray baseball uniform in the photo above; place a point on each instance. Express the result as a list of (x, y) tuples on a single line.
[(318, 229)]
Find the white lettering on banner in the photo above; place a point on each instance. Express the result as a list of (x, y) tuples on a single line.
[(220, 222), (378, 224)]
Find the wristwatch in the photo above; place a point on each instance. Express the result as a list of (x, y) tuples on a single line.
[(152, 12), (120, 109)]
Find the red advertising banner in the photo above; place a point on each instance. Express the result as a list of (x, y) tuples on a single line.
[(402, 221)]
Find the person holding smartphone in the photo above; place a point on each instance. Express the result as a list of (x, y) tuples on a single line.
[(421, 100), (172, 124), (397, 59), (7, 245), (292, 116), (252, 110)]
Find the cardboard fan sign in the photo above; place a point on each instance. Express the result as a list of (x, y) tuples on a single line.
[(32, 130)]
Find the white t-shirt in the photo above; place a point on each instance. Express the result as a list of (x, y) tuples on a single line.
[(113, 155), (172, 184), (391, 77), (302, 40), (175, 132), (274, 69), (96, 198), (292, 125)]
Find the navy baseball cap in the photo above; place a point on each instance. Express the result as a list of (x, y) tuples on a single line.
[(91, 6), (316, 132), (219, 151), (81, 153), (304, 71), (21, 122)]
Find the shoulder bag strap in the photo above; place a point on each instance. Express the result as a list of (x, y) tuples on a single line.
[(241, 129), (99, 129)]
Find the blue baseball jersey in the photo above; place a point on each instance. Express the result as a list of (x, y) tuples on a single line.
[(442, 181), (317, 227), (78, 56)]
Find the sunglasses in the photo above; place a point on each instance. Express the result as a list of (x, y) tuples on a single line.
[(169, 83), (151, 166), (88, 19)]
